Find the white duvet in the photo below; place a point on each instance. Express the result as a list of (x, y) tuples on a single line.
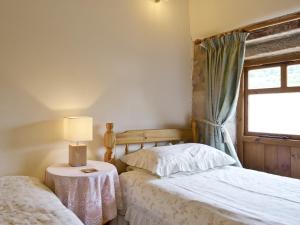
[(228, 195), (24, 200)]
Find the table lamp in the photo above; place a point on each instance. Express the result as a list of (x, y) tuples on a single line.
[(78, 130)]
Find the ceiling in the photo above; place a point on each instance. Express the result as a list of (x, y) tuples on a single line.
[(209, 17)]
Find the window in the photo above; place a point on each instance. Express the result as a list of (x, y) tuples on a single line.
[(293, 75), (264, 78), (272, 100)]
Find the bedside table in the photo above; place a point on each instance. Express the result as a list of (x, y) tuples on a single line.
[(93, 197)]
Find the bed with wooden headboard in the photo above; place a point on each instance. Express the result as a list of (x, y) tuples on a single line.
[(221, 194), (141, 137)]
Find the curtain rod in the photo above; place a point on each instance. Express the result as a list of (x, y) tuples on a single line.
[(257, 26)]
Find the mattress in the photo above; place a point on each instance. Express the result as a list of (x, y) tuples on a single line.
[(24, 200), (227, 196)]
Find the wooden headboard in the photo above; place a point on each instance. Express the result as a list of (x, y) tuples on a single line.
[(141, 137)]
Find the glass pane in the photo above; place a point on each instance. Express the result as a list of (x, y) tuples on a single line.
[(264, 78), (293, 75), (274, 113)]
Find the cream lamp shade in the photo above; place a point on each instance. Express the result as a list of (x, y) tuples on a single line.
[(78, 128)]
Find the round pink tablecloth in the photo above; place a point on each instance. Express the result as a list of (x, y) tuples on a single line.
[(93, 197)]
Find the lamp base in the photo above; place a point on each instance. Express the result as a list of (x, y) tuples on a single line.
[(77, 155)]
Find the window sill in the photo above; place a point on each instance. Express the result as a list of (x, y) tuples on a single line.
[(272, 141)]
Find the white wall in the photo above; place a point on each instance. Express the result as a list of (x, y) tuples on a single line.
[(126, 61), (209, 17)]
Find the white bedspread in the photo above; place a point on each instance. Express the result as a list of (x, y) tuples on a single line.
[(24, 200), (228, 195)]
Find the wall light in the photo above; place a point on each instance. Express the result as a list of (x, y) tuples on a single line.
[(157, 1)]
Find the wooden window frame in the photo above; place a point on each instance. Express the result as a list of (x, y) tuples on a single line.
[(283, 89)]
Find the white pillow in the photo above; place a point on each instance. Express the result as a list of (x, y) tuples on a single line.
[(166, 160)]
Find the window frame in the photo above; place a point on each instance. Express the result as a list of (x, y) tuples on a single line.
[(283, 89)]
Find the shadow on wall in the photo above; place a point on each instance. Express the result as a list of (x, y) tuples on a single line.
[(36, 134), (45, 133), (35, 145), (29, 148), (95, 145)]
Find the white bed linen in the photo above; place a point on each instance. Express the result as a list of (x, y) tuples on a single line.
[(24, 200), (166, 160), (227, 196)]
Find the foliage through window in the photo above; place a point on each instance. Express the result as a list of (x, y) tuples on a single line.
[(272, 100)]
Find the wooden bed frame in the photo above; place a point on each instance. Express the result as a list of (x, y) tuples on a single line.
[(141, 137)]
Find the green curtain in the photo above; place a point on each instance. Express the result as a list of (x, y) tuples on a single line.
[(224, 65)]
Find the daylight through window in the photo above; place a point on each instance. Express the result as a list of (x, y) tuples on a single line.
[(272, 100)]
